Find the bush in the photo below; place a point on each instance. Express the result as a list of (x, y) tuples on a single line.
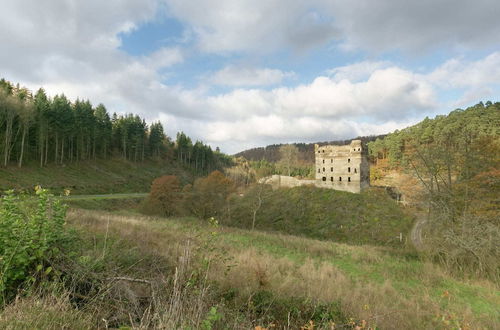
[(165, 196), (208, 196), (30, 230)]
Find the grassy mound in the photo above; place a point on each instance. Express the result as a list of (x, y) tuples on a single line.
[(371, 217)]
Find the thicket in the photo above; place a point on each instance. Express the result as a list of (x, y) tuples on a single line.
[(31, 231), (456, 159), (36, 128), (206, 197)]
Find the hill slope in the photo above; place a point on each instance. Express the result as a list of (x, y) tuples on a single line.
[(92, 177), (256, 279)]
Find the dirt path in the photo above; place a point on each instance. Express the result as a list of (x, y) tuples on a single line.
[(105, 196), (416, 232)]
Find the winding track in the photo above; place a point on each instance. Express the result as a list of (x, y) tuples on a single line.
[(416, 232)]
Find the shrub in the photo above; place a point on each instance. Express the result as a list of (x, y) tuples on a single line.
[(165, 196), (208, 196), (30, 230)]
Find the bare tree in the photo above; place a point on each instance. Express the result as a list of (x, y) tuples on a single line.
[(288, 156)]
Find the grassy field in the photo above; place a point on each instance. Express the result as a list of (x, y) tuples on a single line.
[(241, 279), (92, 177)]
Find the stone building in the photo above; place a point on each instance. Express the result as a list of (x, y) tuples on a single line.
[(342, 167)]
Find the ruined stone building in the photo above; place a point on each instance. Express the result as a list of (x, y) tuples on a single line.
[(337, 167), (342, 167)]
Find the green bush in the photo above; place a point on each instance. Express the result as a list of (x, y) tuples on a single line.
[(30, 229)]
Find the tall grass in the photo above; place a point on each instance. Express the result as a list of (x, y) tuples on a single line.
[(260, 278)]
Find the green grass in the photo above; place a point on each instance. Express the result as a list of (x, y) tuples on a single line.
[(371, 217), (389, 279), (91, 177)]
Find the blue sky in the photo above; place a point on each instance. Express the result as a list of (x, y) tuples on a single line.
[(242, 73)]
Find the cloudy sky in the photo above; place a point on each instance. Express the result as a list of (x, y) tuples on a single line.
[(246, 73)]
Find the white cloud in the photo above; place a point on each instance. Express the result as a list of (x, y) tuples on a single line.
[(72, 47), (243, 76), (163, 58), (249, 25), (356, 71), (390, 92), (462, 73), (377, 26)]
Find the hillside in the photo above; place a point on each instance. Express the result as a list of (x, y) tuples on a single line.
[(186, 273), (371, 217), (92, 177), (459, 129)]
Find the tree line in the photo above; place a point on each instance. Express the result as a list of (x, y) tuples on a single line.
[(55, 130)]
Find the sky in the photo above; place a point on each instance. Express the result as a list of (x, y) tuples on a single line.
[(246, 73)]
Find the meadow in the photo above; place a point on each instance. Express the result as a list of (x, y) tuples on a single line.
[(131, 270)]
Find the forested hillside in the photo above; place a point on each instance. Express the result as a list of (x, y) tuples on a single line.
[(454, 161), (453, 134), (36, 129), (271, 153)]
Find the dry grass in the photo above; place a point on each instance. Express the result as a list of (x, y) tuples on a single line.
[(396, 296)]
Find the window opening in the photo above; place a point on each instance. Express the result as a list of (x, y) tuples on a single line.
[(349, 169), (355, 170), (331, 169), (348, 160), (331, 179), (349, 179), (340, 178), (324, 178)]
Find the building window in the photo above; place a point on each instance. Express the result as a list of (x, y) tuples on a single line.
[(348, 160), (331, 160), (331, 179), (324, 178), (355, 170), (349, 169), (354, 149), (340, 178), (359, 149), (349, 179), (323, 161), (323, 169), (331, 169)]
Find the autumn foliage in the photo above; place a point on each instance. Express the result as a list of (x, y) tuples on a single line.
[(165, 195), (205, 198)]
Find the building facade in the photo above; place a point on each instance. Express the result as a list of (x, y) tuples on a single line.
[(342, 167)]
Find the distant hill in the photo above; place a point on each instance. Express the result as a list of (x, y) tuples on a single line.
[(271, 153)]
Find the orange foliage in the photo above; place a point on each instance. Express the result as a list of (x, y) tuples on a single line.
[(165, 195), (209, 195)]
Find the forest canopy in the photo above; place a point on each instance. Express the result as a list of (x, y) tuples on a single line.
[(42, 129)]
